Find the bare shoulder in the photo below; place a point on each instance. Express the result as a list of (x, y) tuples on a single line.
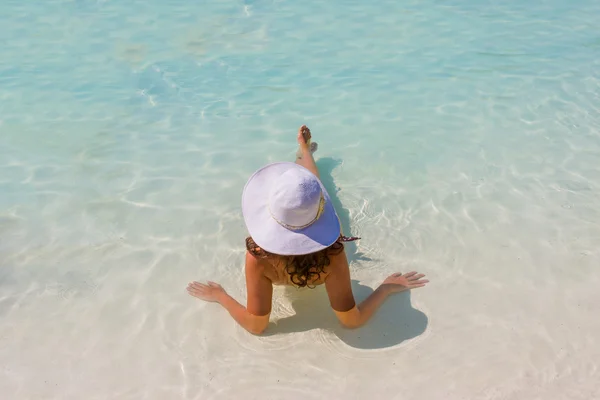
[(254, 265), (338, 264), (338, 260)]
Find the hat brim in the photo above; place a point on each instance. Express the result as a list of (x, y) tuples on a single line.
[(268, 233)]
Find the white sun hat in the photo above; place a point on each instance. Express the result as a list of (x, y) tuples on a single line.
[(287, 210)]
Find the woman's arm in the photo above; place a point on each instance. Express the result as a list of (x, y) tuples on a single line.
[(339, 289), (255, 317)]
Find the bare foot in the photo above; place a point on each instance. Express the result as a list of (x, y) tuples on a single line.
[(304, 137), (304, 140)]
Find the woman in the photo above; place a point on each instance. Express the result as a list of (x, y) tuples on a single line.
[(295, 239)]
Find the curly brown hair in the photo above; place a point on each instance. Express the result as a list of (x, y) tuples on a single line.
[(301, 269)]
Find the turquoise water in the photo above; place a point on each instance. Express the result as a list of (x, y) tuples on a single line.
[(460, 138)]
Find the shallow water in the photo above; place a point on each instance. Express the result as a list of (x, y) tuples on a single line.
[(460, 138)]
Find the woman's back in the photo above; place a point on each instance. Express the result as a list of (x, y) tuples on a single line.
[(275, 270), (300, 270)]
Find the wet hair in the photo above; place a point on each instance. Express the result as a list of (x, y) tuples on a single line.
[(301, 269)]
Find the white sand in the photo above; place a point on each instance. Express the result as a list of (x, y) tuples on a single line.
[(467, 143), (511, 311)]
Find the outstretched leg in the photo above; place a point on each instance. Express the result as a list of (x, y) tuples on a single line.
[(305, 153)]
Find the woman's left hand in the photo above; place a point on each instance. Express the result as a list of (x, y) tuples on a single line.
[(207, 292), (398, 282)]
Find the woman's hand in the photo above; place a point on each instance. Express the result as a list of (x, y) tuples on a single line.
[(211, 292), (396, 283)]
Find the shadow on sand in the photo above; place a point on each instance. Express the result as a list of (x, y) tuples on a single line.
[(396, 320)]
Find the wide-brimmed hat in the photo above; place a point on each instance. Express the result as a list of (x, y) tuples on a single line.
[(288, 211)]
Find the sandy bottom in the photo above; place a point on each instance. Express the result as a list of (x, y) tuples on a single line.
[(448, 142)]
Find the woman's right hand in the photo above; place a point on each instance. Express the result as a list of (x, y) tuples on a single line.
[(397, 282)]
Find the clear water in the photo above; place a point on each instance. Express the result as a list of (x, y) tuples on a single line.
[(460, 138)]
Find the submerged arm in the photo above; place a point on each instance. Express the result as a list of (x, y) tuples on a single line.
[(341, 298), (358, 316), (255, 317), (254, 324), (339, 290)]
